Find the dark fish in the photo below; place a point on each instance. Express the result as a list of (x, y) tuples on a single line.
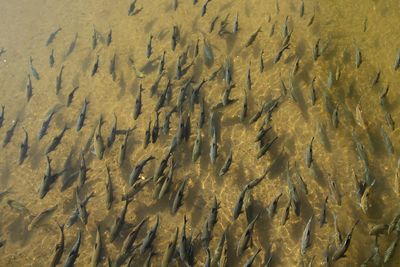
[(46, 121), (334, 191), (94, 39), (135, 188), (147, 136), (341, 250), (151, 235), (266, 147), (197, 146), (82, 170), (119, 222), (137, 170), (23, 148), (170, 251), (301, 9), (138, 103), (253, 37), (251, 260), (111, 69), (390, 250), (73, 218), (243, 112), (72, 45), (305, 239), (132, 8), (213, 146), (96, 256), (113, 132), (83, 214), (279, 54), (311, 20), (397, 61), (271, 209), (204, 8), (358, 57), (52, 36), (127, 245), (175, 37), (239, 204), (389, 120), (74, 252), (244, 240), (109, 189), (162, 64), (236, 24), (82, 115), (206, 235), (59, 80), (168, 180), (71, 95), (166, 128), (335, 117), (29, 88), (2, 115), (122, 149), (262, 61), (388, 143), (10, 132), (58, 249), (149, 47), (208, 52), (109, 37), (56, 140), (376, 78), (322, 216), (95, 66), (212, 24), (224, 169), (156, 128), (179, 196), (309, 157), (316, 50), (33, 69)]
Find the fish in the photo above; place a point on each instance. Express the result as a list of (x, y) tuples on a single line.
[(252, 37), (316, 50), (109, 189), (213, 146), (147, 136), (156, 128), (149, 48), (322, 216), (271, 209), (23, 148), (224, 169), (301, 9), (309, 158), (46, 122), (204, 8), (335, 117), (109, 38), (251, 260), (175, 37), (279, 54), (239, 204), (341, 250), (138, 103), (48, 180), (29, 88), (390, 250), (248, 78), (82, 170), (74, 252), (151, 235), (245, 238), (397, 61), (113, 133), (170, 251), (56, 140), (53, 36), (111, 69), (365, 198), (137, 170), (34, 72), (168, 115), (179, 196), (75, 214), (132, 8), (236, 23), (58, 249), (389, 120), (83, 214), (212, 24), (96, 256), (40, 217), (72, 45), (376, 78), (95, 66), (119, 221), (285, 214), (207, 52), (94, 39), (127, 245), (2, 115), (265, 148), (82, 115), (387, 142), (334, 191), (379, 229), (358, 57), (98, 144), (305, 239), (59, 80), (122, 149), (71, 95)]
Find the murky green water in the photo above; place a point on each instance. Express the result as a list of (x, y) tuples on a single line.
[(341, 26)]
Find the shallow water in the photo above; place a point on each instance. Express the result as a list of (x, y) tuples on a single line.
[(25, 29)]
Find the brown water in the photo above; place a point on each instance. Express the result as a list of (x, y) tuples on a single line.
[(25, 27)]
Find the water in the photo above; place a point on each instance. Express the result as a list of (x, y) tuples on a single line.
[(25, 29)]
